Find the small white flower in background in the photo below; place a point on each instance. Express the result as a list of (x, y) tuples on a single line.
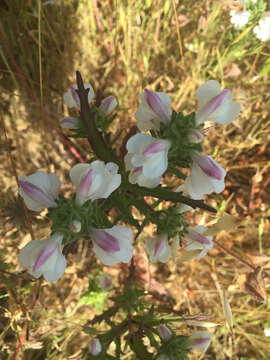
[(44, 257), (112, 245), (262, 30), (158, 248), (215, 105), (108, 104), (267, 331), (39, 190), (71, 98), (239, 18), (94, 181), (195, 240), (155, 107), (105, 282), (164, 332), (75, 226), (69, 123), (147, 156), (206, 176), (200, 340), (95, 347)]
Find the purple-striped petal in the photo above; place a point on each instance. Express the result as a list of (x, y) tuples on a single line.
[(75, 95), (69, 123), (108, 104), (37, 194), (159, 246), (85, 185), (157, 105), (155, 147), (44, 255), (194, 235), (214, 103), (106, 241), (208, 166)]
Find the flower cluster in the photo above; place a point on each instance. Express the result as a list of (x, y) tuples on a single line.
[(148, 158), (92, 181)]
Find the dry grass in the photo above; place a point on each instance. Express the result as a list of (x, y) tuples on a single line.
[(120, 47)]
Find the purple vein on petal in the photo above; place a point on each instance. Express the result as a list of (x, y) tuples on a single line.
[(106, 241), (154, 148), (44, 256), (86, 183), (37, 194)]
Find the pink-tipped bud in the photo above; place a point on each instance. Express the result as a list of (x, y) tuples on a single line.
[(156, 104), (108, 104), (75, 226), (69, 123), (195, 136), (95, 347), (75, 96), (164, 332)]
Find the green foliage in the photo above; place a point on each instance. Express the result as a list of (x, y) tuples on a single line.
[(177, 132), (176, 348)]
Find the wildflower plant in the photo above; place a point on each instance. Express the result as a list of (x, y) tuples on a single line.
[(168, 144)]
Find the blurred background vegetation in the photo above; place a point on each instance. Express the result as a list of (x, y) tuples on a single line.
[(121, 47)]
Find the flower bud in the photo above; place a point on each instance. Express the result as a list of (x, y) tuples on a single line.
[(164, 332), (105, 282), (75, 226), (108, 104), (69, 123), (95, 347)]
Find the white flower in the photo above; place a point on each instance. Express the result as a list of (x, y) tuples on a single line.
[(196, 243), (95, 347), (112, 245), (71, 98), (153, 109), (158, 248), (44, 257), (94, 181), (148, 157), (108, 104), (262, 30), (39, 190), (206, 176), (215, 105), (200, 340), (267, 331), (239, 18), (69, 123)]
